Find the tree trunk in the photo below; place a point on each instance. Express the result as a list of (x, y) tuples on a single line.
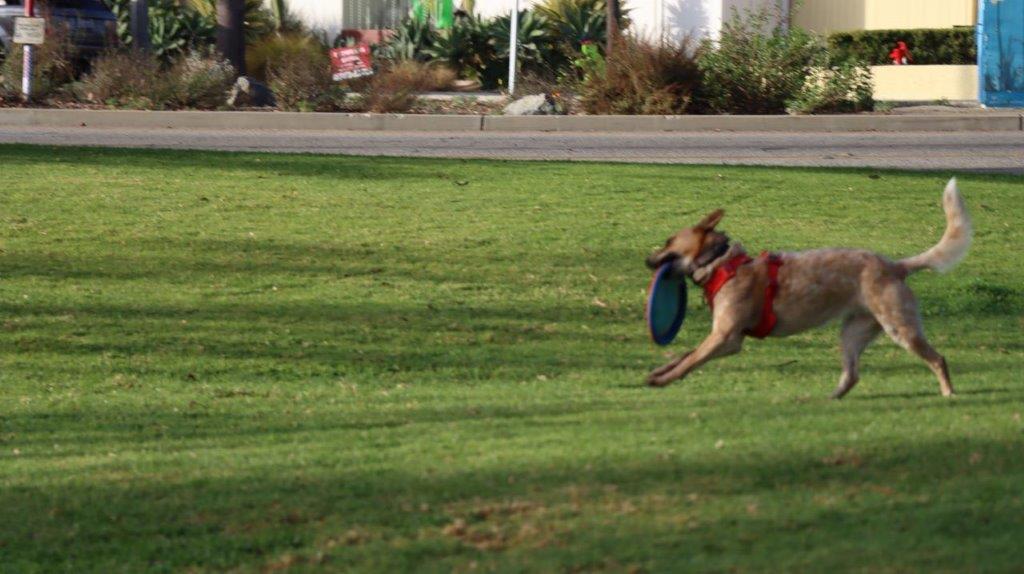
[(230, 32), (612, 18)]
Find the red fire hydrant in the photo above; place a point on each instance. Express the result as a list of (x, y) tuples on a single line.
[(900, 55)]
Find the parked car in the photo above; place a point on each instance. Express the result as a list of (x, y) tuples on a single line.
[(91, 23)]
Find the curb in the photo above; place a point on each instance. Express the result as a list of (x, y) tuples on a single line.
[(831, 123), (16, 117), (19, 117)]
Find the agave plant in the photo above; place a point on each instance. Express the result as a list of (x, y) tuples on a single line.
[(465, 47), (536, 47), (411, 41), (576, 21), (173, 29), (259, 20)]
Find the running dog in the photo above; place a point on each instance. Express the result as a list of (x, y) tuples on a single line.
[(781, 294)]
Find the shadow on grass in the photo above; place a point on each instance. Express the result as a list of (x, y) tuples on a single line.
[(869, 396), (337, 168), (897, 497)]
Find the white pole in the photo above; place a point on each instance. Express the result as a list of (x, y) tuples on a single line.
[(513, 48), (26, 72), (26, 61)]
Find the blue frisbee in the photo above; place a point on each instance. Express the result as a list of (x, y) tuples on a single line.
[(666, 305)]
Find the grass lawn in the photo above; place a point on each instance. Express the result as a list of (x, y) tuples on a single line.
[(253, 362)]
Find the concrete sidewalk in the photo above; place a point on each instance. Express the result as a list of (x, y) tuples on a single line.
[(957, 152), (973, 121)]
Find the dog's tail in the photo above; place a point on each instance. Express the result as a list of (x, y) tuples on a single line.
[(955, 241)]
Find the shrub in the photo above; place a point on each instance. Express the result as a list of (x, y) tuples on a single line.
[(301, 81), (202, 80), (927, 46), (260, 55), (394, 88), (845, 87), (639, 78), (54, 65), (127, 78), (756, 66)]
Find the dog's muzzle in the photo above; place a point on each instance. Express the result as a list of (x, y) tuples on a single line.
[(656, 260)]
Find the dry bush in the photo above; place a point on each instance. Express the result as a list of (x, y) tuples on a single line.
[(396, 87), (54, 65), (641, 78), (202, 81), (130, 79), (261, 55), (301, 81)]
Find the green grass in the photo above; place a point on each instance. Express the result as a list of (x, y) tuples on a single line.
[(251, 362)]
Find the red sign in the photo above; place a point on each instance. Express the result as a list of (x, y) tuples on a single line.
[(348, 63)]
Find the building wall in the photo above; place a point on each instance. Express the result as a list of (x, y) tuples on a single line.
[(833, 15), (925, 83), (653, 19), (323, 15), (703, 18), (491, 8)]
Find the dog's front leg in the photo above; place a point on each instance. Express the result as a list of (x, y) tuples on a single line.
[(717, 344), (668, 366)]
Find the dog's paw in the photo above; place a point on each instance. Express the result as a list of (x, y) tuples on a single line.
[(655, 380)]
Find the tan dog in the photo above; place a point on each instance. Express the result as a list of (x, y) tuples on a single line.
[(865, 289)]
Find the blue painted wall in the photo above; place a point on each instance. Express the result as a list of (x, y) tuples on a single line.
[(1001, 52)]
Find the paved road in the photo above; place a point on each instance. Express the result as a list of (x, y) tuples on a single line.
[(998, 152)]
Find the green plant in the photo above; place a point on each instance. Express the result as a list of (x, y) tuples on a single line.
[(201, 80), (927, 46), (175, 29), (54, 65), (841, 88), (128, 79), (756, 66), (639, 78), (590, 61)]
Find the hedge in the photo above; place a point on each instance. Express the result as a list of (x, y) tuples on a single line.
[(927, 46)]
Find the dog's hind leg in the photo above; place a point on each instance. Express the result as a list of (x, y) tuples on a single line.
[(859, 329), (895, 308)]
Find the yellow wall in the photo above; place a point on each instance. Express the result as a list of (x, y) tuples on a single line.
[(925, 83), (833, 15)]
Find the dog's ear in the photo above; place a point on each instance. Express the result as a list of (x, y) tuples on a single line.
[(711, 220)]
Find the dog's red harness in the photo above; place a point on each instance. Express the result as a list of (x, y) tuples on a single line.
[(726, 271)]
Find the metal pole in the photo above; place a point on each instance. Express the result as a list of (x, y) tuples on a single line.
[(26, 62), (787, 14), (513, 48), (139, 15)]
